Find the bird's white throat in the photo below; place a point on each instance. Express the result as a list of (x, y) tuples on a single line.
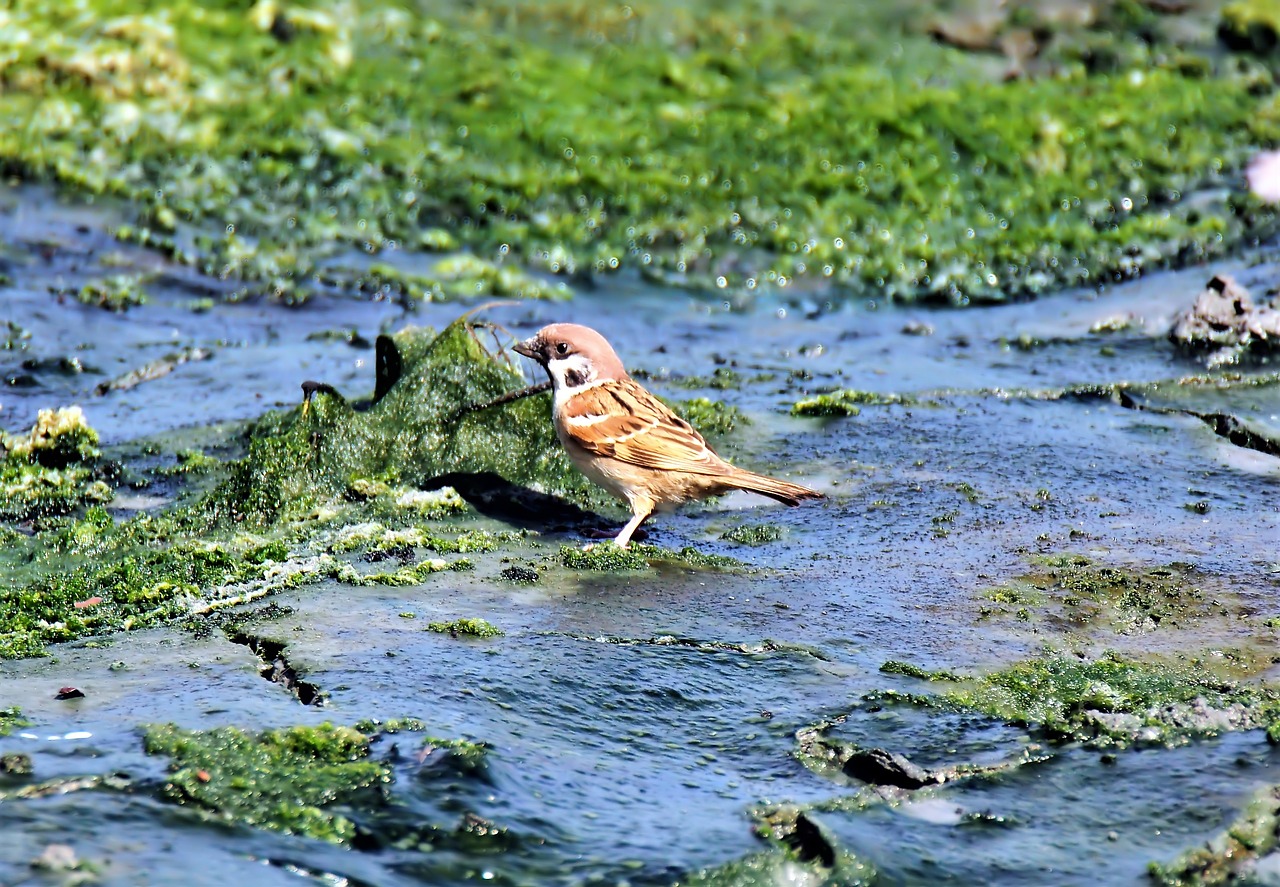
[(572, 373)]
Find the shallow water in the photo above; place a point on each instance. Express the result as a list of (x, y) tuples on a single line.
[(616, 757)]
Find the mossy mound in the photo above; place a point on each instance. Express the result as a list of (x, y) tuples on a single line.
[(476, 628), (413, 433)]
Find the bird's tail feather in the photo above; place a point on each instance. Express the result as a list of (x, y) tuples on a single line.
[(788, 493)]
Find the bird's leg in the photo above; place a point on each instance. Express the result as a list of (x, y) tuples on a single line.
[(624, 537)]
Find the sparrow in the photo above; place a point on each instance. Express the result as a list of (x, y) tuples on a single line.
[(626, 440)]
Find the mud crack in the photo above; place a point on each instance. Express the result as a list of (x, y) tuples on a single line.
[(276, 668)]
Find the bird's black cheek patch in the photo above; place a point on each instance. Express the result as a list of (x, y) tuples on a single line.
[(574, 378)]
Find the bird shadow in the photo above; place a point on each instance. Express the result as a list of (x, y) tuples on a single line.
[(494, 496)]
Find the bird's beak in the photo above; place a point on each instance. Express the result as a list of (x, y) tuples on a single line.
[(528, 348)]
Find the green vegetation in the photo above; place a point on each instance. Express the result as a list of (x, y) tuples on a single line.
[(117, 293), (847, 402), (293, 780), (476, 628), (711, 417), (730, 148)]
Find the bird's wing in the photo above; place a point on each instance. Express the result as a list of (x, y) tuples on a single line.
[(620, 420)]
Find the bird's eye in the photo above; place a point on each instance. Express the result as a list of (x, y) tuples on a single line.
[(562, 348)]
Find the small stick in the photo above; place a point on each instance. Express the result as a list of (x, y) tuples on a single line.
[(506, 398)]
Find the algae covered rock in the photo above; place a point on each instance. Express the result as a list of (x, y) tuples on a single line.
[(1114, 702), (1233, 856), (414, 433), (292, 780), (1226, 320)]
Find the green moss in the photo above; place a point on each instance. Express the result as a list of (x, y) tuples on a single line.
[(847, 402), (793, 143), (371, 726), (710, 417), (893, 666), (721, 379), (1130, 598), (607, 557), (1115, 702), (297, 780), (476, 628), (305, 458), (123, 581), (603, 557), (309, 488), (753, 534)]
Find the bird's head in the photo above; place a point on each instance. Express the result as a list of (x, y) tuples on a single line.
[(572, 355)]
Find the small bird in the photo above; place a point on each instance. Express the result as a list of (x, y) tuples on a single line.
[(625, 439)]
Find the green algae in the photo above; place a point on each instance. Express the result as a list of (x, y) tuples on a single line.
[(753, 534), (1114, 702), (799, 145), (316, 485), (846, 402), (604, 557), (894, 666), (309, 456), (1131, 599), (1226, 858), (293, 780), (475, 628), (609, 558), (712, 418)]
